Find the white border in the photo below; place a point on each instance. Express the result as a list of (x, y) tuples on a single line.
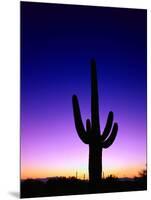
[(111, 3), (9, 97)]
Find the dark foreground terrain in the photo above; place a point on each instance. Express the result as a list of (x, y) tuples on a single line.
[(71, 186)]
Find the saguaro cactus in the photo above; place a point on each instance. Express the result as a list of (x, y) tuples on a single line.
[(92, 135)]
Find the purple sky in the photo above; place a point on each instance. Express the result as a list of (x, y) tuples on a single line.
[(56, 48)]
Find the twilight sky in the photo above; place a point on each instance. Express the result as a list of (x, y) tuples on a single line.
[(57, 44)]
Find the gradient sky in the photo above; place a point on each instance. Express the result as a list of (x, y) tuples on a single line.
[(57, 44)]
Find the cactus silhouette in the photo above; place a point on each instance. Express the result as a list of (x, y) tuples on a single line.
[(92, 135)]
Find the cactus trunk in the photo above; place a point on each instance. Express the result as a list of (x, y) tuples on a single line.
[(95, 151), (95, 164)]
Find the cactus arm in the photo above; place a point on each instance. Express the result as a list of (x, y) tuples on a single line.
[(111, 138), (78, 120), (108, 126), (94, 100)]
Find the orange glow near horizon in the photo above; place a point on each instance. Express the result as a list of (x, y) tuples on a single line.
[(130, 172)]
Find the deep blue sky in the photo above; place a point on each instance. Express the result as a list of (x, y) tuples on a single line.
[(57, 44)]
